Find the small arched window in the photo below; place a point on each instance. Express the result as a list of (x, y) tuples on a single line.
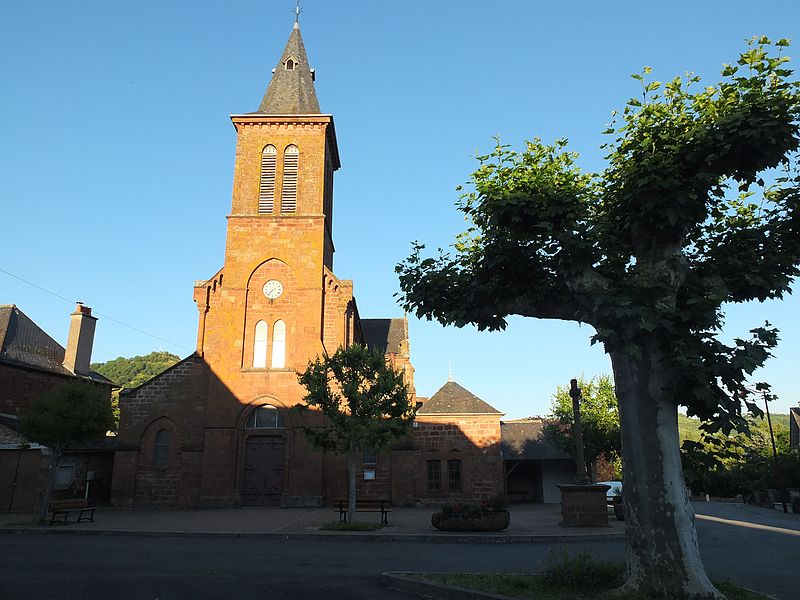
[(260, 345), (161, 448), (279, 345), (291, 159), (264, 417), (290, 64), (266, 191)]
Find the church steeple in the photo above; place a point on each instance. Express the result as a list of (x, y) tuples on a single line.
[(291, 90)]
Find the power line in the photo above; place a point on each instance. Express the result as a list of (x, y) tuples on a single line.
[(52, 293)]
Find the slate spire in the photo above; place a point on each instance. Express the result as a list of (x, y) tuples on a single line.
[(291, 90)]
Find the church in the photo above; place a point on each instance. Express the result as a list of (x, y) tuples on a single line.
[(216, 429)]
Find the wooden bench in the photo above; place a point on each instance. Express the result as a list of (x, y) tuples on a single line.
[(62, 509), (381, 506)]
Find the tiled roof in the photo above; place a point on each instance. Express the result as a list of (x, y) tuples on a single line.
[(24, 343), (386, 335), (291, 91), (525, 439), (454, 399)]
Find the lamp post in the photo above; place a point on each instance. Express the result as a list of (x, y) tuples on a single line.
[(581, 477)]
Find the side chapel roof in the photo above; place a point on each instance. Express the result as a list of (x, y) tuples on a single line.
[(386, 335), (454, 399), (525, 439)]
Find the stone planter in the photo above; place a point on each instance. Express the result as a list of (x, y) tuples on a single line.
[(584, 505), (619, 508), (492, 520)]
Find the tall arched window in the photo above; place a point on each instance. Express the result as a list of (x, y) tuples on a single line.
[(266, 191), (260, 346), (161, 449), (291, 158), (279, 345)]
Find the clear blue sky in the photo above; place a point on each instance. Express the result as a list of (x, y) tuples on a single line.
[(117, 152)]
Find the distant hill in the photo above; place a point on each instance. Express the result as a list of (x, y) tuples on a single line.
[(134, 371), (689, 428)]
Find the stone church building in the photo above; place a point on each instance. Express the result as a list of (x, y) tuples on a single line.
[(215, 429)]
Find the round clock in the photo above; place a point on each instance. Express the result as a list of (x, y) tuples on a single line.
[(273, 288)]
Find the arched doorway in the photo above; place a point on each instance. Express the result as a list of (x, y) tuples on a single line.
[(264, 458)]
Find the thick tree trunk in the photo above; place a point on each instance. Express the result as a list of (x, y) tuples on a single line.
[(49, 484), (663, 556), (351, 474)]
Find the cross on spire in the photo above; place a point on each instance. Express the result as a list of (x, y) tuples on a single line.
[(297, 11)]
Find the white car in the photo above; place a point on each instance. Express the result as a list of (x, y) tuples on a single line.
[(615, 489)]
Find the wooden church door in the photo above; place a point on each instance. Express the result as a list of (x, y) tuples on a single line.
[(262, 484)]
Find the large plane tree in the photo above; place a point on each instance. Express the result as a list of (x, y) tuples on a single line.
[(698, 207)]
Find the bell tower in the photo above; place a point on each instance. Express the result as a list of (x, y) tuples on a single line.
[(279, 246), (286, 156)]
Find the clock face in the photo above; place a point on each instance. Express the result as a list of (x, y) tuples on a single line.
[(273, 288)]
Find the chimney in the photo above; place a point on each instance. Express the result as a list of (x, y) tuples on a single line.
[(80, 340)]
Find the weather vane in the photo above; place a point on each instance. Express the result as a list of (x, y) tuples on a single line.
[(297, 11)]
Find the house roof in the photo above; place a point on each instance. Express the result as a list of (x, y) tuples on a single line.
[(23, 343), (525, 440), (386, 335), (291, 91), (454, 399), (794, 426)]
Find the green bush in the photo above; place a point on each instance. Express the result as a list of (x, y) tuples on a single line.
[(582, 572)]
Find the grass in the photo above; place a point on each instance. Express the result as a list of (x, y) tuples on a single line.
[(577, 577), (354, 526)]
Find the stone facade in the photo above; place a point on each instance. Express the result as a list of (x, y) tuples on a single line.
[(194, 436)]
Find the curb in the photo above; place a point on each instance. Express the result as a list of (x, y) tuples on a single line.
[(403, 582), (346, 537)]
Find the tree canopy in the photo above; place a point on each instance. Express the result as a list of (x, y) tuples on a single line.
[(67, 417), (599, 420), (365, 402), (681, 222), (697, 207), (134, 371)]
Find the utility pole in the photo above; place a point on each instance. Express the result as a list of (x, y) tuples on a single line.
[(778, 473), (581, 477)]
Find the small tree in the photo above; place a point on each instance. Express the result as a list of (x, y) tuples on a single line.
[(599, 420), (364, 400), (67, 417)]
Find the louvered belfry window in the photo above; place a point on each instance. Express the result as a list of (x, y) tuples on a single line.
[(291, 157), (266, 191)]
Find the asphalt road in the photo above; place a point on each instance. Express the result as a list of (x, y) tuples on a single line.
[(89, 567)]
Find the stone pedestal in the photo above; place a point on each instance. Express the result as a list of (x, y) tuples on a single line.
[(584, 505)]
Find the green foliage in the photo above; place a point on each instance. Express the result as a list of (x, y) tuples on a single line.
[(465, 510), (738, 463), (364, 399), (688, 428), (69, 416), (134, 371), (648, 251), (599, 420), (583, 572), (534, 587)]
